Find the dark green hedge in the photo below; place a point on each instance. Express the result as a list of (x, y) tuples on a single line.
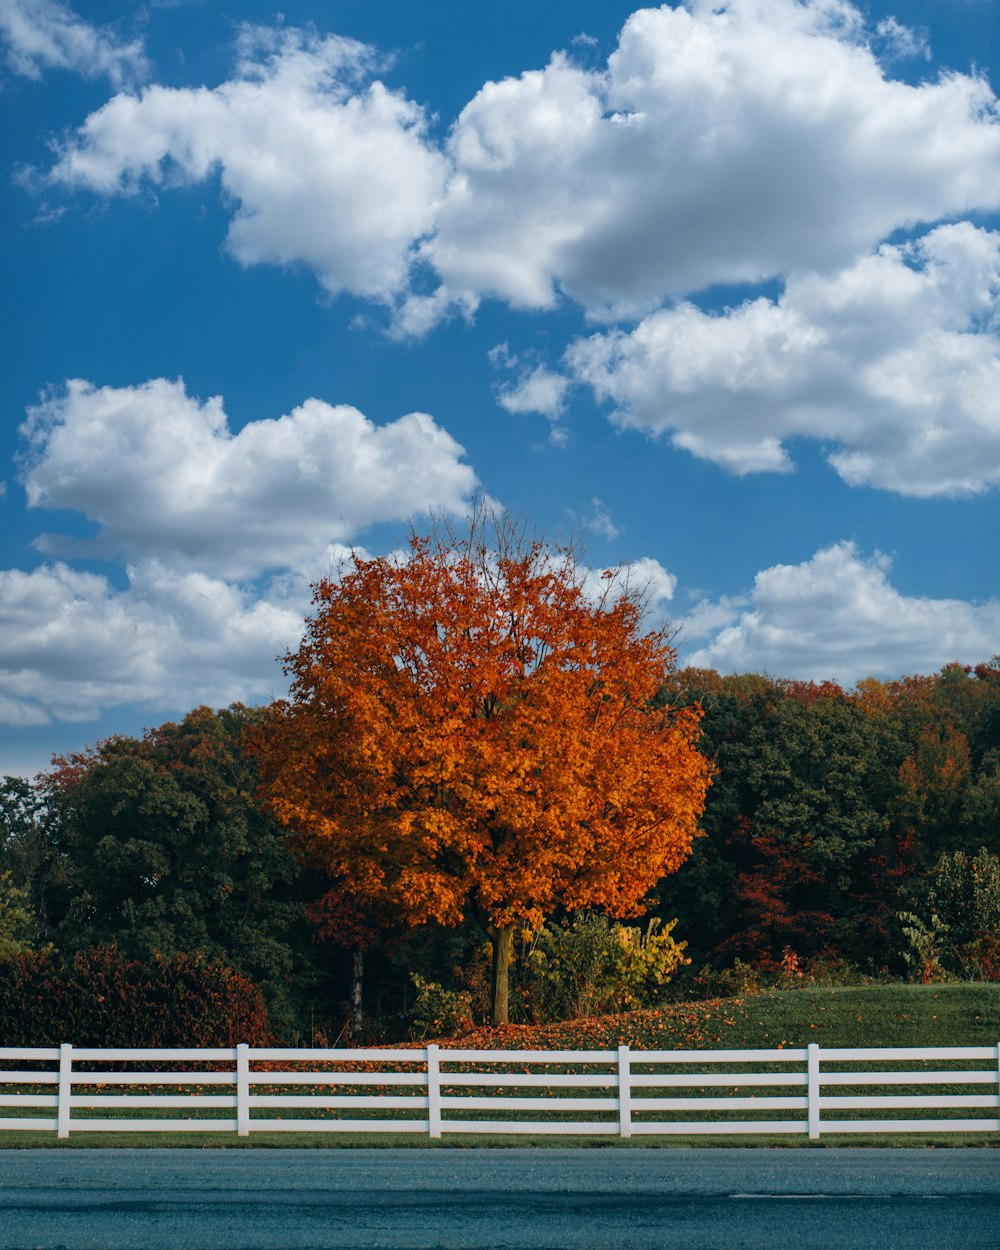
[(100, 998)]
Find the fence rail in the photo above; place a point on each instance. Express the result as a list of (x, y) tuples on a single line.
[(431, 1090)]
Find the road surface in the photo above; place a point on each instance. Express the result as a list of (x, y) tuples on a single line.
[(503, 1199)]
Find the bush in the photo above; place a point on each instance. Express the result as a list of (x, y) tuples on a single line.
[(828, 968), (925, 953), (961, 934), (739, 980), (594, 967), (18, 925), (438, 1012), (100, 998)]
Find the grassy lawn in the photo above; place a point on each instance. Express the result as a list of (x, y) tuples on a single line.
[(874, 1015), (865, 1015)]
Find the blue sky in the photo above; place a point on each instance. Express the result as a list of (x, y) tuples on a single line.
[(714, 287)]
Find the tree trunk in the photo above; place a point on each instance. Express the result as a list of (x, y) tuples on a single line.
[(503, 945), (357, 980)]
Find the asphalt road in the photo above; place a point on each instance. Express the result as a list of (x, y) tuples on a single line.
[(515, 1199)]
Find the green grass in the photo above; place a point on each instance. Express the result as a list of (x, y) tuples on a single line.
[(866, 1015), (871, 1015), (884, 1015)]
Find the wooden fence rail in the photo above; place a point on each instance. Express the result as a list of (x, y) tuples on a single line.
[(433, 1090)]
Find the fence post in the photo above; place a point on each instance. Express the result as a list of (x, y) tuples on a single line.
[(624, 1093), (998, 1075), (814, 1090), (243, 1090), (65, 1088), (433, 1091)]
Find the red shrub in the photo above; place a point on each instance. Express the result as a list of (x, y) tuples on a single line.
[(100, 998)]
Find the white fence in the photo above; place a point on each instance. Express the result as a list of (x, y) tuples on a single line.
[(432, 1090)]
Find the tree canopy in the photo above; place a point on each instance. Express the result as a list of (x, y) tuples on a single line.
[(470, 730), (851, 829), (165, 849)]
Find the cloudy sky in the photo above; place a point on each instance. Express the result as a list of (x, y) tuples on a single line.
[(714, 287)]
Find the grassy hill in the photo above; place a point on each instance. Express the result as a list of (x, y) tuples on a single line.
[(869, 1015)]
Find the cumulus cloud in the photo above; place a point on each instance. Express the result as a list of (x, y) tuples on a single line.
[(644, 577), (725, 142), (536, 390), (162, 475), (533, 388), (326, 167), (721, 143), (222, 533), (652, 580), (72, 645), (44, 34), (838, 616), (895, 361)]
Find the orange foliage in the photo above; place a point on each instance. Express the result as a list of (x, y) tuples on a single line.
[(874, 697), (468, 730), (934, 778), (810, 692)]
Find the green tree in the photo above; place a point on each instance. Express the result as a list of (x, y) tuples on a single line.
[(981, 802), (798, 850), (32, 867), (956, 929), (168, 851), (19, 927), (950, 723)]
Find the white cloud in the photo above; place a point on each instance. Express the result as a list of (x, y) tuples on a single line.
[(838, 616), (902, 42), (20, 713), (726, 142), (44, 34), (194, 508), (651, 580), (536, 390), (71, 645), (325, 168), (223, 533), (895, 361), (416, 315), (163, 476), (600, 522), (644, 577)]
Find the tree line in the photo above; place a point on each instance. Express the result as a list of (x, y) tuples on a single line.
[(833, 813), (843, 828), (493, 794)]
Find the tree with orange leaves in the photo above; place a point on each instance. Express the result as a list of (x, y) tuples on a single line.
[(469, 731)]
